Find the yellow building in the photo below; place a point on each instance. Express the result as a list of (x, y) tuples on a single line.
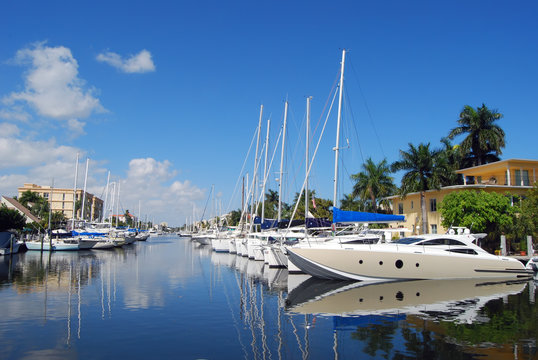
[(62, 200), (514, 176)]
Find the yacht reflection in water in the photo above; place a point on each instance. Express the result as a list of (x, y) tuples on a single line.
[(454, 300)]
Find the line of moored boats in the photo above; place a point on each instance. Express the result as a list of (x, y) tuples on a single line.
[(90, 236), (369, 255)]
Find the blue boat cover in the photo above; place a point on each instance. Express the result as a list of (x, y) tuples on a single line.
[(344, 216), (267, 223), (318, 223)]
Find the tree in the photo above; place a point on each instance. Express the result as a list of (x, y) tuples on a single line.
[(37, 204), (271, 205), (526, 223), (318, 207), (454, 160), (425, 170), (11, 219), (349, 203), (484, 140), (235, 216), (57, 220), (128, 218), (480, 211), (373, 183)]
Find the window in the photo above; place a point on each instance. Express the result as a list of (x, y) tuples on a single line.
[(434, 228), (411, 204), (46, 195), (463, 251), (409, 240), (451, 242), (433, 205), (400, 208), (522, 177), (63, 196)]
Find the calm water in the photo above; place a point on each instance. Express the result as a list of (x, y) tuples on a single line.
[(168, 298)]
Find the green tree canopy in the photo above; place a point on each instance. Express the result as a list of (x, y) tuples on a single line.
[(37, 204), (425, 169), (128, 218), (348, 202), (527, 222), (235, 216), (480, 211), (373, 183), (11, 219), (318, 207), (484, 139)]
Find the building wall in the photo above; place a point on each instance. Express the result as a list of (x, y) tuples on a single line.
[(62, 200)]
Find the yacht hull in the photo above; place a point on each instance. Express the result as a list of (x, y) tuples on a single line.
[(370, 264)]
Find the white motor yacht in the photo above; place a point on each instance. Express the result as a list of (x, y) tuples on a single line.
[(432, 256)]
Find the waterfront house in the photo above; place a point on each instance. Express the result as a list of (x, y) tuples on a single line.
[(514, 176)]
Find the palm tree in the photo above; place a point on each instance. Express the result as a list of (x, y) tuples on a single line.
[(349, 203), (453, 159), (484, 139), (373, 182), (34, 202), (271, 204), (425, 170)]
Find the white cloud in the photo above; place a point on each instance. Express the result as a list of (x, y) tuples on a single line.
[(148, 182), (7, 130), (139, 63), (27, 153), (52, 87), (37, 162), (15, 113)]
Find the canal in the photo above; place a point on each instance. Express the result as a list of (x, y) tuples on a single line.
[(169, 298)]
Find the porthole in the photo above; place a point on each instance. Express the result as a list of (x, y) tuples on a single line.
[(399, 264), (417, 265), (360, 261), (399, 296), (418, 294), (360, 300), (381, 298), (381, 263)]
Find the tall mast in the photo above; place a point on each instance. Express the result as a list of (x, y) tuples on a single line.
[(75, 193), (337, 147), (265, 168), (243, 197), (139, 214), (105, 206), (84, 194), (282, 162), (118, 204), (307, 154), (254, 187)]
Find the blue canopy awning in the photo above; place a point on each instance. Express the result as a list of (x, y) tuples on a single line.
[(344, 216)]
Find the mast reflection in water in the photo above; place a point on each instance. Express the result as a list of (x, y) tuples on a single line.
[(170, 298)]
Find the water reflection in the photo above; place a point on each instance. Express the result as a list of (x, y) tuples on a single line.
[(456, 300)]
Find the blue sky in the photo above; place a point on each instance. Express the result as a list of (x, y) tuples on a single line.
[(166, 95)]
